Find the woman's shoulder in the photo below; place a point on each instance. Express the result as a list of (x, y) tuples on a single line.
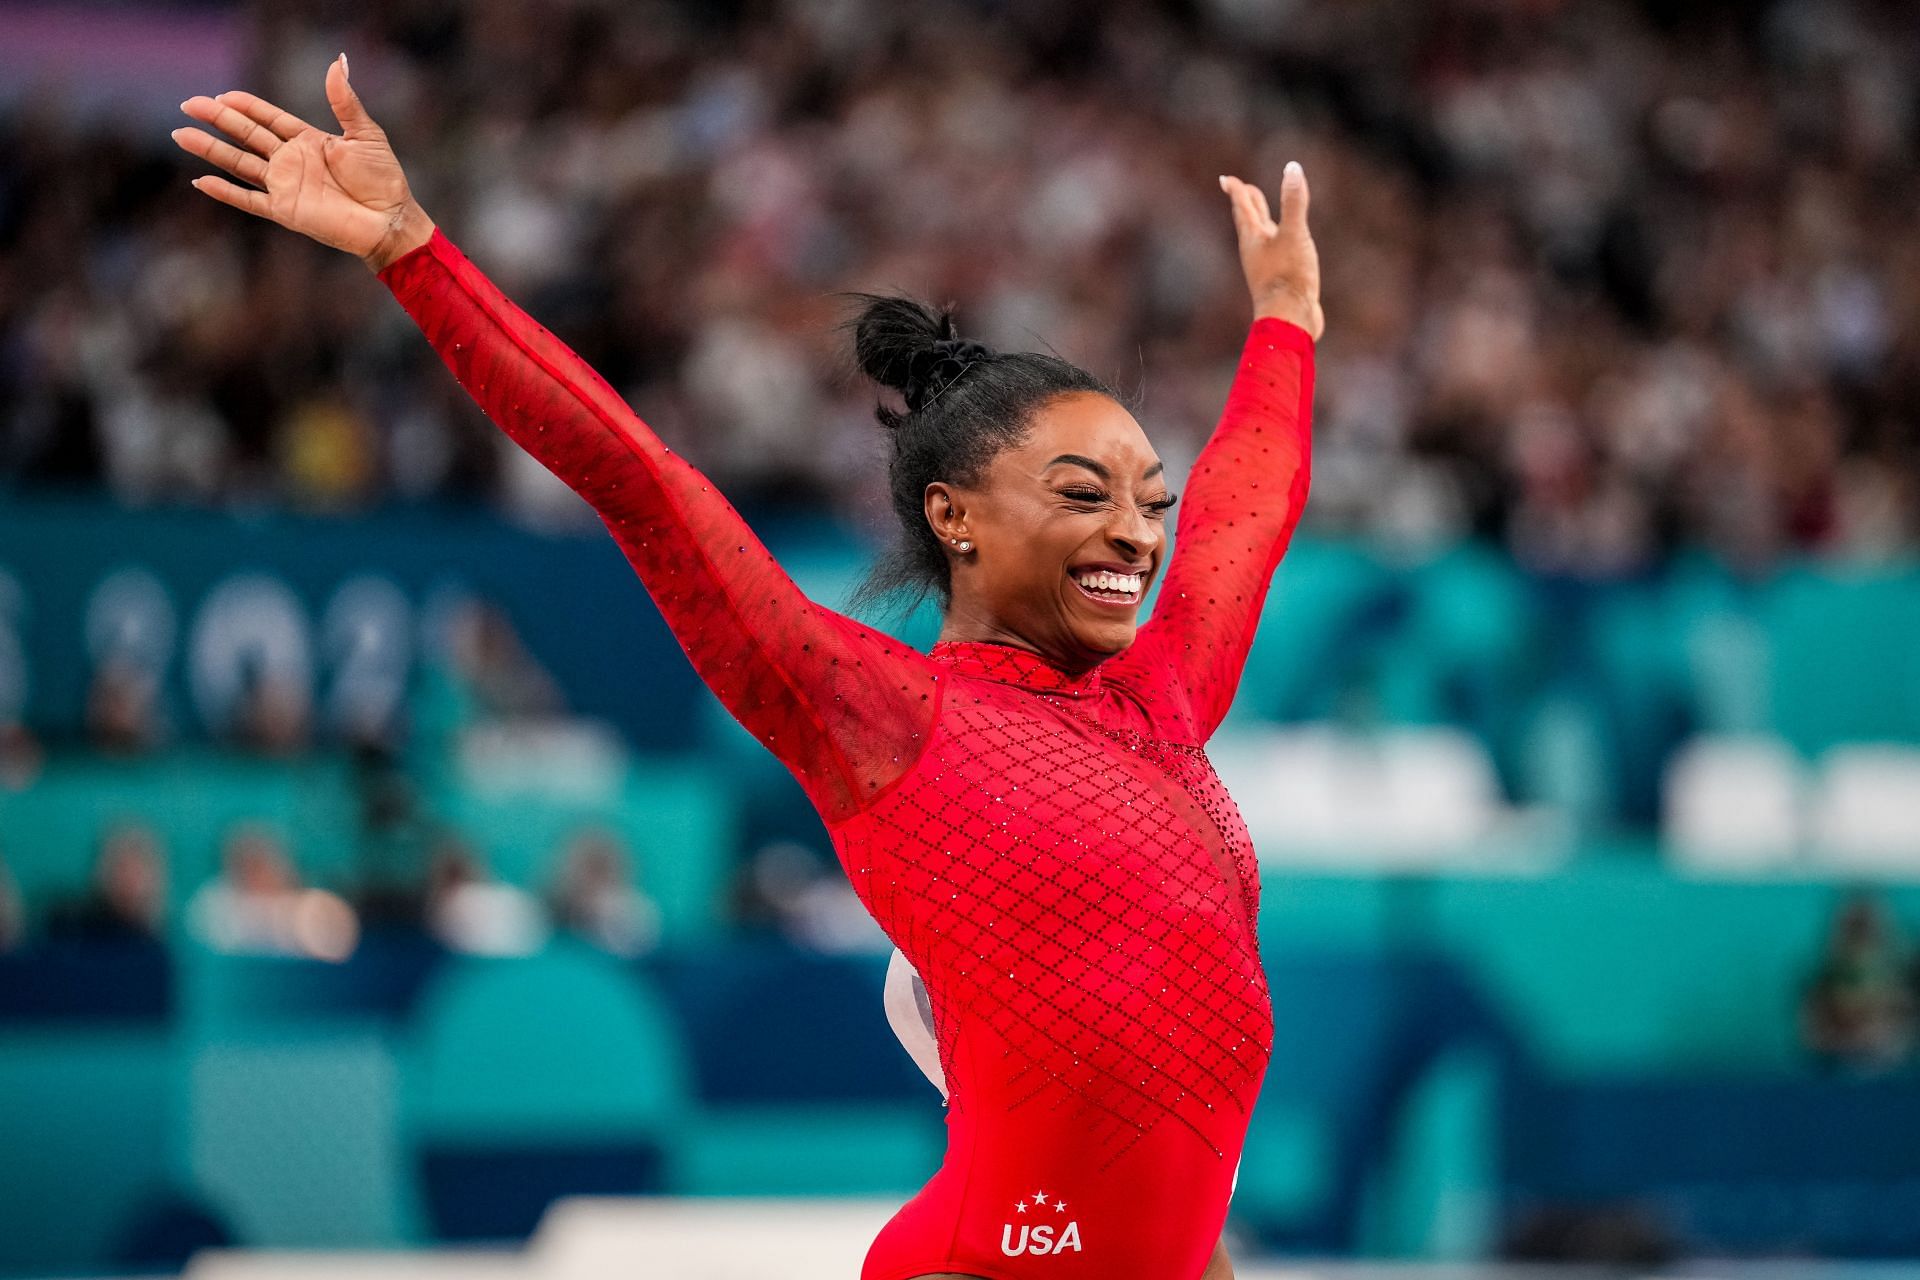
[(1144, 693)]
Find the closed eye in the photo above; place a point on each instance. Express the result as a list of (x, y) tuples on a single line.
[(1158, 507)]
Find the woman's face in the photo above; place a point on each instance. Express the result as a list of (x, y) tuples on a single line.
[(1084, 490)]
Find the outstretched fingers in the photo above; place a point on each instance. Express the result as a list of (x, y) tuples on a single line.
[(1234, 205), (1260, 206), (278, 121), (1250, 214), (254, 202), (254, 136), (241, 164), (1294, 197)]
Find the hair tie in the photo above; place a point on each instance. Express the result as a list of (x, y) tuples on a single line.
[(939, 367)]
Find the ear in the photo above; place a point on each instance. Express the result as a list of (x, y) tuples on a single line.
[(946, 512)]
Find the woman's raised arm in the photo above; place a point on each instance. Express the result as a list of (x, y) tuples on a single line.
[(845, 707), (1249, 484)]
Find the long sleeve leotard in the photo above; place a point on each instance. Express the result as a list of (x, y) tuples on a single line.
[(1052, 852)]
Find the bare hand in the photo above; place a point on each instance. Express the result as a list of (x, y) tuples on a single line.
[(345, 190), (1282, 265)]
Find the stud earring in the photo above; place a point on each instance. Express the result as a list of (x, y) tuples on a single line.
[(964, 546)]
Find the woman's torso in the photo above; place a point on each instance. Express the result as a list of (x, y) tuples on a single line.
[(1079, 896)]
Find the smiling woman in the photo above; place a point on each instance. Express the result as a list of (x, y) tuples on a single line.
[(1034, 505), (1027, 809), (1030, 500)]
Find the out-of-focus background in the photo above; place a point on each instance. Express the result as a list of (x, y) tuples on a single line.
[(375, 872)]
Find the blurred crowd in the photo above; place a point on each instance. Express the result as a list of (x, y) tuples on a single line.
[(481, 701), (1601, 277), (260, 902), (1857, 1007), (1860, 1006)]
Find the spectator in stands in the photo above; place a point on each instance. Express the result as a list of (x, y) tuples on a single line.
[(273, 716), (501, 677), (123, 708), (479, 674), (1857, 1012), (787, 888), (21, 755), (595, 895), (128, 895), (469, 910), (258, 904)]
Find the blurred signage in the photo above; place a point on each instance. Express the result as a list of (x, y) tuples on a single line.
[(344, 612)]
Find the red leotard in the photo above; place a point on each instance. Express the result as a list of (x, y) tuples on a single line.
[(1052, 852)]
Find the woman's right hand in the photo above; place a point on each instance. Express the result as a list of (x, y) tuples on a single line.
[(345, 190)]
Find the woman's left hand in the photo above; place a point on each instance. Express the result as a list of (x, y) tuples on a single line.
[(1282, 266)]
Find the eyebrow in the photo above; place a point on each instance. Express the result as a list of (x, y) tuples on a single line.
[(1099, 470)]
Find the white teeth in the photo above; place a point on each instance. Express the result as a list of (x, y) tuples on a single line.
[(1101, 580)]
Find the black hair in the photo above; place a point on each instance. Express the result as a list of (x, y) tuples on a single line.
[(965, 402)]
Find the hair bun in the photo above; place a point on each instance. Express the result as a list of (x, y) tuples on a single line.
[(933, 369), (909, 345)]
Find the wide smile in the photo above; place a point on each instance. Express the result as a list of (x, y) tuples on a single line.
[(1114, 590)]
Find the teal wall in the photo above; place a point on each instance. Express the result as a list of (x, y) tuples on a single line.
[(1613, 964), (1612, 968)]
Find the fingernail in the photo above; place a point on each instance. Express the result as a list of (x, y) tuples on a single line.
[(344, 68), (1223, 182), (183, 104), (1293, 167)]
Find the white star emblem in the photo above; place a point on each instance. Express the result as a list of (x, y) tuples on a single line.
[(1039, 1197), (1059, 1206), (1021, 1206)]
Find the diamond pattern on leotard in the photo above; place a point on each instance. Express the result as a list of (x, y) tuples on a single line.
[(1073, 883), (1011, 664)]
